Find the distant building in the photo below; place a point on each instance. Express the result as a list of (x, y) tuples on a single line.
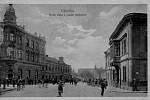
[(126, 58), (109, 69), (56, 69), (22, 54), (91, 73)]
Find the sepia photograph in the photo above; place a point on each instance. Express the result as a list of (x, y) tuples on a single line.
[(73, 50)]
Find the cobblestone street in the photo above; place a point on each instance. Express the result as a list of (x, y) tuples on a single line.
[(81, 90)]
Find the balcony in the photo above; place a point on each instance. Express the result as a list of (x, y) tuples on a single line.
[(115, 61)]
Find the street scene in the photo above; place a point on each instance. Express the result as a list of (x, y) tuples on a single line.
[(68, 50), (79, 90)]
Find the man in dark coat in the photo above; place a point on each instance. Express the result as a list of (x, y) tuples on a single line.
[(13, 82), (4, 84), (60, 88), (103, 87), (134, 84)]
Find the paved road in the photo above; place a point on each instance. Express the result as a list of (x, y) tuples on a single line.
[(81, 90), (33, 91)]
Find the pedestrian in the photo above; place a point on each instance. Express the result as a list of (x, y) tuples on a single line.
[(23, 83), (134, 84), (103, 87), (7, 80), (60, 88), (13, 82), (18, 85), (4, 84)]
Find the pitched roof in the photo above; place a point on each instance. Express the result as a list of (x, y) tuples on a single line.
[(124, 20)]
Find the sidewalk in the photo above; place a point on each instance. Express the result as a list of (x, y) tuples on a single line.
[(115, 89), (10, 88)]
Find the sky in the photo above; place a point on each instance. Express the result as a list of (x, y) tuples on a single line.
[(81, 40)]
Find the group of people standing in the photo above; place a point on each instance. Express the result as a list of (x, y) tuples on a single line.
[(73, 81), (19, 82)]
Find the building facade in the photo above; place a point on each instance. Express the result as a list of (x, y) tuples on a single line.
[(22, 54), (110, 70), (127, 55), (56, 69), (91, 73)]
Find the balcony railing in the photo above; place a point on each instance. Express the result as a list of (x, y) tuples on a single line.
[(116, 59)]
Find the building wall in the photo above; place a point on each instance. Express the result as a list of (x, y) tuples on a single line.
[(139, 42), (133, 62), (14, 49), (57, 70)]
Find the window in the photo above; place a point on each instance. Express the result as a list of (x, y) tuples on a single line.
[(32, 57), (19, 54), (145, 43), (20, 40), (61, 69), (124, 73), (37, 58), (117, 49), (124, 46), (37, 45), (7, 36), (28, 56), (32, 44), (123, 50), (46, 67), (27, 43), (12, 37)]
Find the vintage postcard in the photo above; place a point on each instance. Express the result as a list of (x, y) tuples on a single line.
[(73, 50)]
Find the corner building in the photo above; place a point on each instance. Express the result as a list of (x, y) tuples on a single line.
[(127, 55), (22, 54)]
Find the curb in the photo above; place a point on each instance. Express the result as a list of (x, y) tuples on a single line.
[(124, 91), (131, 91)]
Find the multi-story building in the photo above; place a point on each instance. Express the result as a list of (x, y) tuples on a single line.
[(22, 54), (109, 69), (56, 69), (128, 51)]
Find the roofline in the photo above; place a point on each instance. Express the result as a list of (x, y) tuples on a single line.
[(125, 20), (22, 29)]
